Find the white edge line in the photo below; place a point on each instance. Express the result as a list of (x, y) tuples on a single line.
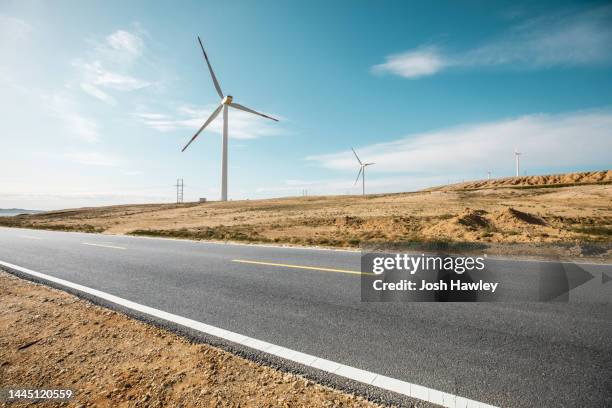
[(356, 374), (102, 245)]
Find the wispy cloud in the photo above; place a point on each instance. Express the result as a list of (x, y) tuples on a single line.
[(132, 172), (551, 141), (64, 108), (62, 199), (97, 93), (14, 33), (413, 64), (347, 185), (562, 39), (125, 42), (13, 29), (243, 125), (107, 67), (93, 159)]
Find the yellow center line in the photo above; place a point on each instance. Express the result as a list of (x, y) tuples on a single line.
[(104, 246), (312, 268)]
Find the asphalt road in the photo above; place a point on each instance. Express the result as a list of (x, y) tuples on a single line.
[(519, 354)]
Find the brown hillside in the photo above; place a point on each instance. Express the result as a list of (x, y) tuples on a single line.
[(538, 214), (591, 177)]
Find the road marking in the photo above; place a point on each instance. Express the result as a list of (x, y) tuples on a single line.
[(102, 245), (387, 383), (29, 237), (312, 268)]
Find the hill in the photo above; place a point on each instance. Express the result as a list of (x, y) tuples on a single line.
[(8, 212), (551, 180), (539, 214)]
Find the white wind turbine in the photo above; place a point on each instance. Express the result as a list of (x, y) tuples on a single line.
[(517, 159), (361, 173), (225, 102)]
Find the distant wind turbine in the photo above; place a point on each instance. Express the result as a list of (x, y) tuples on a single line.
[(517, 158), (225, 102), (362, 167)]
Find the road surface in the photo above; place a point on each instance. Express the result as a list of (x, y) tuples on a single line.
[(504, 354)]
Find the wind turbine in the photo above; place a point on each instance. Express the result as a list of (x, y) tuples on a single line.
[(517, 158), (226, 101), (361, 173)]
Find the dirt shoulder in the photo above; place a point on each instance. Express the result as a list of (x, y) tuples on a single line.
[(51, 339)]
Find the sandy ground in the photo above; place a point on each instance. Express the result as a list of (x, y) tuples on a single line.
[(515, 214), (50, 339)]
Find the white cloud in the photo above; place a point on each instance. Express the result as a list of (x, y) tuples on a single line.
[(242, 125), (347, 185), (412, 64), (65, 109), (14, 34), (13, 29), (110, 79), (97, 93), (93, 159), (60, 199), (562, 39), (125, 41), (151, 116), (553, 141), (108, 66)]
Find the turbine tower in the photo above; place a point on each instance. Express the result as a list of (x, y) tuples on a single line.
[(226, 101), (517, 158), (361, 173)]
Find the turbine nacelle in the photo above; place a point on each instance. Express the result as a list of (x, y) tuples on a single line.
[(227, 100)]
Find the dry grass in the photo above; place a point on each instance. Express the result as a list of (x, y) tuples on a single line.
[(526, 215)]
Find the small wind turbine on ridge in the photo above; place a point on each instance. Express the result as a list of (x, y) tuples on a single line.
[(362, 167), (517, 155)]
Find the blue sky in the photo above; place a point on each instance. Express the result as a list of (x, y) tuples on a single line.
[(99, 98)]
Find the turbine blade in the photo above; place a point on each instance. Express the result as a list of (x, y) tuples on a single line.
[(244, 108), (355, 153), (369, 164), (212, 73), (358, 174), (210, 119)]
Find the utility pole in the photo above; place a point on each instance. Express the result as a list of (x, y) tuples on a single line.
[(179, 190)]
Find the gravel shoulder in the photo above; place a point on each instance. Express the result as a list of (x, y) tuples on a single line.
[(51, 339)]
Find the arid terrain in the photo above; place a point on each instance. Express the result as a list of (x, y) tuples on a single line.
[(52, 340), (540, 209)]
